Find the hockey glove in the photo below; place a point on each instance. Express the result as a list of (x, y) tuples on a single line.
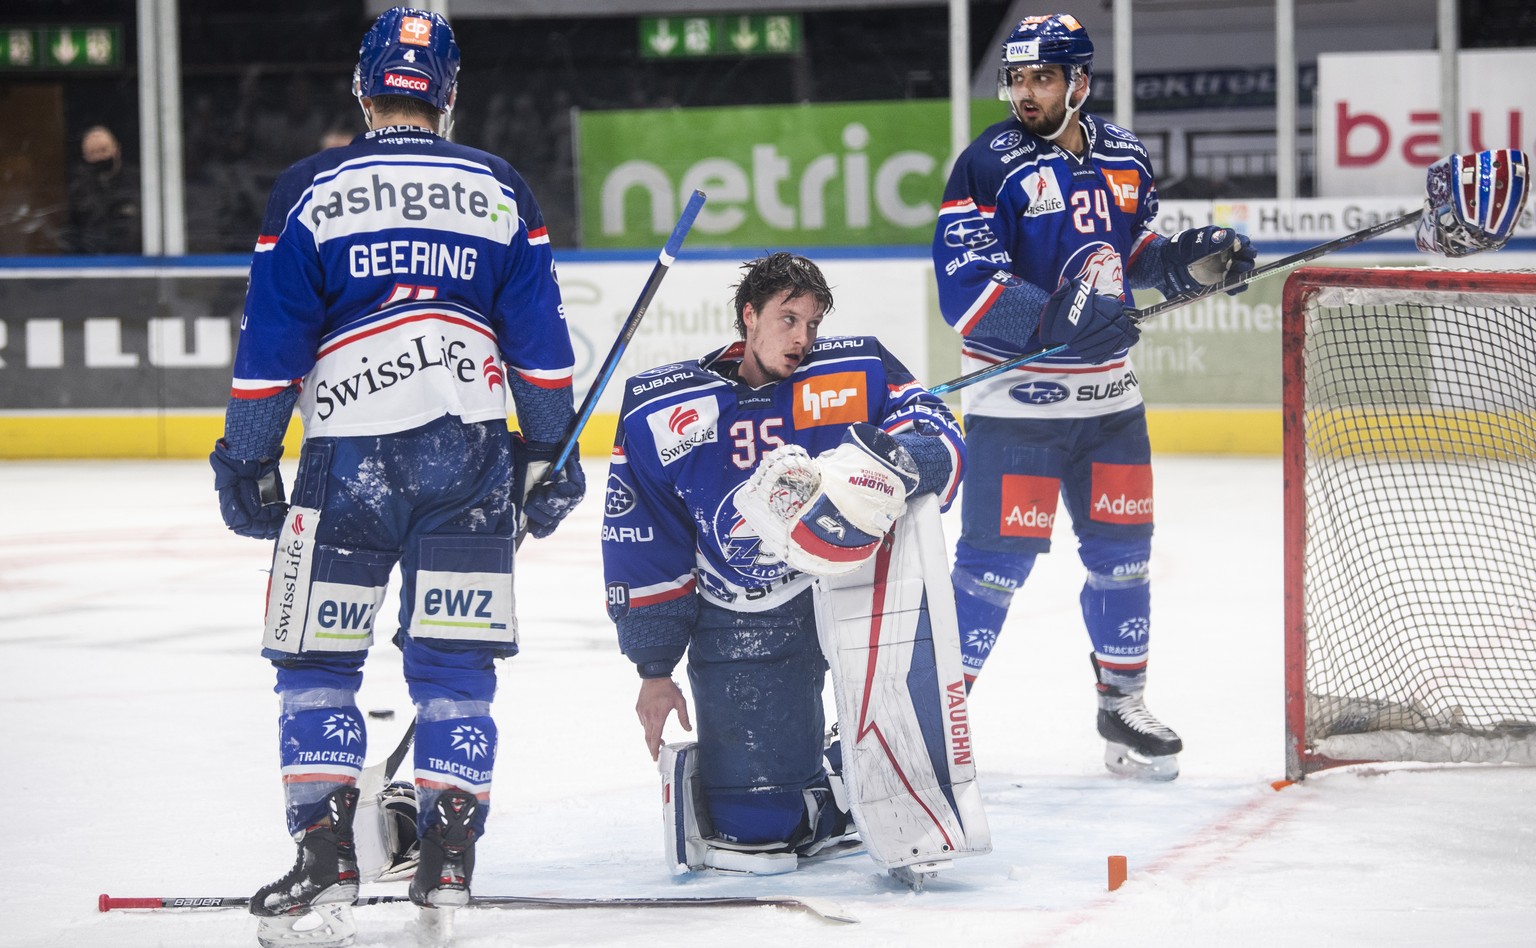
[(546, 498), (1474, 202), (1095, 326), (827, 515), (1199, 258), (251, 497)]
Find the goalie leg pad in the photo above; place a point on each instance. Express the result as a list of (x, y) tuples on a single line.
[(385, 835), (905, 734), (683, 820)]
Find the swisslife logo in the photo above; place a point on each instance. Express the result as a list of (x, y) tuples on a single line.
[(1043, 192), (678, 429)]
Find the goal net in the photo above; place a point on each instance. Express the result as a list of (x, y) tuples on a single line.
[(1410, 516)]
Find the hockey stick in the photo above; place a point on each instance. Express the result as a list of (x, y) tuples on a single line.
[(373, 779), (819, 908), (1232, 282), (664, 262)]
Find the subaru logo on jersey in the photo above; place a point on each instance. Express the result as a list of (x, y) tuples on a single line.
[(971, 233), (1119, 132), (683, 427), (1043, 193), (1038, 393), (661, 370), (1007, 140), (619, 499)]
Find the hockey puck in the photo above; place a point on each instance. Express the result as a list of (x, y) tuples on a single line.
[(382, 714)]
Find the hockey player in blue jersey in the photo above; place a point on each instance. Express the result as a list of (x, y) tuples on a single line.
[(1045, 224), (402, 288), (687, 573)]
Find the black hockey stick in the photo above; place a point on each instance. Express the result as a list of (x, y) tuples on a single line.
[(819, 908), (1232, 282), (664, 261)]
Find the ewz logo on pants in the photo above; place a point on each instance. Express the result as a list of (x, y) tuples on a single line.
[(473, 606)]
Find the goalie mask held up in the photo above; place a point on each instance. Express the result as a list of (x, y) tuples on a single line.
[(1474, 202), (826, 515)]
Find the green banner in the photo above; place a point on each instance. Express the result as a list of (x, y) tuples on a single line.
[(847, 173), (61, 47), (760, 34)]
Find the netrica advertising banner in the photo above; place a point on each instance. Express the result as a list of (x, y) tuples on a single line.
[(863, 173), (1378, 118)]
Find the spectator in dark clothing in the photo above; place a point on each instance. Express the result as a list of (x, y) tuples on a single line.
[(104, 198)]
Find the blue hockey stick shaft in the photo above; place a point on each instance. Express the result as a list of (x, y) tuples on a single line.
[(1230, 283), (664, 262)]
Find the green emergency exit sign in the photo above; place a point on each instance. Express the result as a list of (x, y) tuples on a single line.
[(687, 37), (47, 48)]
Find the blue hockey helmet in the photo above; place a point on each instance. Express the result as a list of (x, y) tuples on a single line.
[(1057, 39), (408, 52)]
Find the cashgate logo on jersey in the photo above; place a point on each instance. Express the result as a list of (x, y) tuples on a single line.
[(426, 202), (454, 605), (1043, 193), (1121, 493), (1029, 505), (1125, 186), (680, 428), (834, 399)]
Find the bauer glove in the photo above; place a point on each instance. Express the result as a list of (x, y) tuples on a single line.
[(1092, 325), (251, 497)]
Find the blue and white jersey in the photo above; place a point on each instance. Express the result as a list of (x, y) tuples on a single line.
[(691, 434), (1017, 204), (401, 278)]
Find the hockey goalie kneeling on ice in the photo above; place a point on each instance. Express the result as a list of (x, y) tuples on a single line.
[(901, 774)]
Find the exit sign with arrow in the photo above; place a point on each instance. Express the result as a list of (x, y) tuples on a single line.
[(685, 37), (72, 48)]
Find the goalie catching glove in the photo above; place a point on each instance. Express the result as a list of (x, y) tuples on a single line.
[(826, 515), (1474, 202)]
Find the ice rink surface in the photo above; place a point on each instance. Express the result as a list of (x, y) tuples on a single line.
[(139, 729)]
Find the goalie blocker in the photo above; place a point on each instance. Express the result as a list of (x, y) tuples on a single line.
[(908, 770)]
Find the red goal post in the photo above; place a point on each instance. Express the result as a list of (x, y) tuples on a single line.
[(1410, 516)]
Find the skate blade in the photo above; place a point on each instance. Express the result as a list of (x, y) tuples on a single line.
[(434, 926), (918, 875), (1125, 761), (327, 925)]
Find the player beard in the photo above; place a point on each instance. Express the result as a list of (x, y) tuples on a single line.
[(1045, 120)]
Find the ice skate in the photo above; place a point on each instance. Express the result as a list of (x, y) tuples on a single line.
[(311, 906), (1138, 744), (447, 853)]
